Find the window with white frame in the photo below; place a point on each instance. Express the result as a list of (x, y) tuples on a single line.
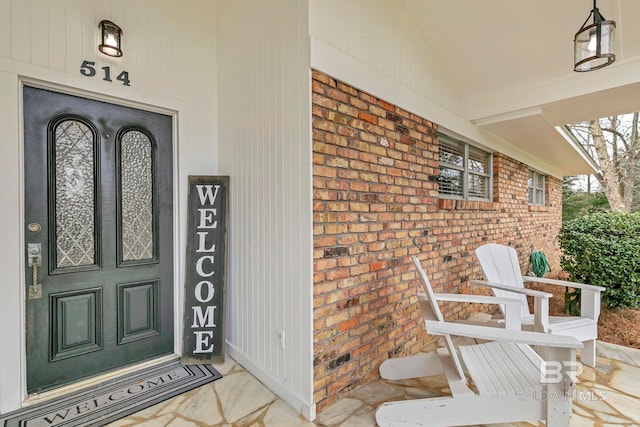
[(536, 188), (465, 170)]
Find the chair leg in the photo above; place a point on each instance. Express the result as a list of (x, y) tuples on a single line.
[(588, 353)]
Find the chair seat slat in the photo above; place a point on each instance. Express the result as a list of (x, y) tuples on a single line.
[(500, 369)]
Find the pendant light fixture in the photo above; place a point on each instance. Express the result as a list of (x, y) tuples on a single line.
[(593, 43)]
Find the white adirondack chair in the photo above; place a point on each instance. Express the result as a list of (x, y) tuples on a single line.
[(508, 374), (502, 269)]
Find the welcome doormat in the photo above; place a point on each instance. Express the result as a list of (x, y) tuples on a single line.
[(114, 399)]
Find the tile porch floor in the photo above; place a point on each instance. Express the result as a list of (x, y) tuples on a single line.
[(607, 395)]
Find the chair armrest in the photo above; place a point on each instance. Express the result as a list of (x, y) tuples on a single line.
[(512, 306), (540, 302), (478, 299), (589, 298), (499, 334), (564, 283), (512, 310), (524, 291)]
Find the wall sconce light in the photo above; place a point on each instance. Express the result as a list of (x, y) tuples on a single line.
[(593, 44), (111, 39)]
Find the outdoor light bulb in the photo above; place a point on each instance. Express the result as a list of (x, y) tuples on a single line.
[(111, 40)]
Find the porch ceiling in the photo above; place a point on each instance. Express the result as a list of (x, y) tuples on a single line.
[(514, 61)]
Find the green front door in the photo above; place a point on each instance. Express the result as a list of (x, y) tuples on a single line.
[(98, 237)]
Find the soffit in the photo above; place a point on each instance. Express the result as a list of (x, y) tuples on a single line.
[(513, 60)]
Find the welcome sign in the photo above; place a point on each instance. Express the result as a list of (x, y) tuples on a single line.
[(205, 284)]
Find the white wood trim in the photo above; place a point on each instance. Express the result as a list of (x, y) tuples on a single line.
[(306, 408), (11, 221), (561, 90)]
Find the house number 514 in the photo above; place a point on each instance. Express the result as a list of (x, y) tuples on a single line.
[(88, 68)]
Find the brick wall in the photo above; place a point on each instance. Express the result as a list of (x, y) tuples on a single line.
[(375, 169)]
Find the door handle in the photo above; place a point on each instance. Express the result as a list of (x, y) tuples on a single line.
[(34, 272), (34, 260)]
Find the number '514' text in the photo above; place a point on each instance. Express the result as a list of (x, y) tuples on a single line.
[(88, 69)]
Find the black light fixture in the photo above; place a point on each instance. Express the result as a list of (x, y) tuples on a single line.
[(111, 39), (593, 43)]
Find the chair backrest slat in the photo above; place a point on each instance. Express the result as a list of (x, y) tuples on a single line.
[(500, 265), (431, 311)]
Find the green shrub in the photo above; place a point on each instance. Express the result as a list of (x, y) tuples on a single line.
[(603, 249)]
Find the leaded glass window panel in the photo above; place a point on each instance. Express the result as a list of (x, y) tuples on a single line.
[(136, 186), (75, 194)]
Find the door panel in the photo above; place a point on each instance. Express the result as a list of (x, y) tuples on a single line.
[(137, 311), (76, 323), (98, 185)]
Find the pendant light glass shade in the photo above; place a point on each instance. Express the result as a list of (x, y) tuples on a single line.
[(593, 44)]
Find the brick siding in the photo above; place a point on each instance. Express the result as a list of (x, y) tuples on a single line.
[(375, 183)]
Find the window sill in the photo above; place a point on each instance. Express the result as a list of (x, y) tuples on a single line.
[(467, 205)]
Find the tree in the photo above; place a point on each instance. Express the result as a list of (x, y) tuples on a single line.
[(614, 144), (577, 202), (635, 205)]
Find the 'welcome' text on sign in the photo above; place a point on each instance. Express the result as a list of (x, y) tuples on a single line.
[(205, 263)]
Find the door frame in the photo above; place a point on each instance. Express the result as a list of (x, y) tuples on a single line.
[(26, 399)]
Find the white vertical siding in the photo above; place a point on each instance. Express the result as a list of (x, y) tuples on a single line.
[(170, 54), (169, 46), (265, 147)]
